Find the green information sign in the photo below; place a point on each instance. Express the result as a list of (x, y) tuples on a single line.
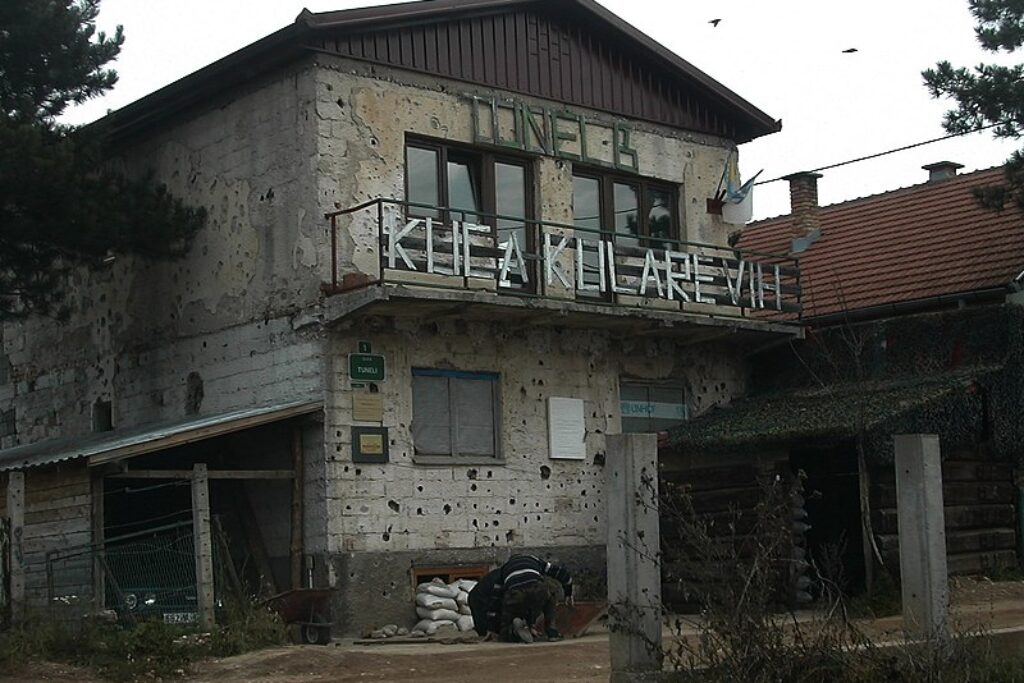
[(366, 367)]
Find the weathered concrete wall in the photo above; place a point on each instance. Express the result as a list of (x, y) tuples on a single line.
[(364, 114), (526, 499), (209, 332)]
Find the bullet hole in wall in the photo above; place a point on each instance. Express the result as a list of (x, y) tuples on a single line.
[(545, 472), (471, 473), (447, 509), (394, 505)]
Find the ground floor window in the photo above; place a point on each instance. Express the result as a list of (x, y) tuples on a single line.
[(454, 413), (651, 406)]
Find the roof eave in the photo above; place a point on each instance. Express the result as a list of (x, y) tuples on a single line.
[(250, 61)]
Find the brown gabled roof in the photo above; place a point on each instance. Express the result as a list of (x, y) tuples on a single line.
[(902, 247), (643, 63)]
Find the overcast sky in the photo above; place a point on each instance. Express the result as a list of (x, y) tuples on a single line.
[(784, 56)]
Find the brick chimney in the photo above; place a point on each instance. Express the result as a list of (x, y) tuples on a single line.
[(803, 203), (941, 170)]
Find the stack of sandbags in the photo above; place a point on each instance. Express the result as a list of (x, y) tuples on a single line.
[(442, 606)]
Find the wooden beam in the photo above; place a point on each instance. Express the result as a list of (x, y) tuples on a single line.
[(16, 513), (211, 474), (297, 493), (203, 545)]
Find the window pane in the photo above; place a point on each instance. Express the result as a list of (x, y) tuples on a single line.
[(659, 215), (586, 203), (463, 190), (474, 405), (510, 200), (431, 419), (627, 214), (423, 180), (586, 208)]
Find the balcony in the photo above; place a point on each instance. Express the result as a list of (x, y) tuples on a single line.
[(488, 266)]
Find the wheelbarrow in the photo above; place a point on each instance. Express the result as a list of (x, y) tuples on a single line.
[(305, 611)]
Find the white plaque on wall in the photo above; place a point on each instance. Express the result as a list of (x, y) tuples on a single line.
[(566, 429)]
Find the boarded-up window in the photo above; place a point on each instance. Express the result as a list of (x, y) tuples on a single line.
[(651, 406), (454, 413), (8, 423)]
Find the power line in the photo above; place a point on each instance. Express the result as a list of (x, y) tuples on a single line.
[(891, 151)]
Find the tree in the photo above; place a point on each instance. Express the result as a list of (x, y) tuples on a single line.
[(989, 94), (61, 202)]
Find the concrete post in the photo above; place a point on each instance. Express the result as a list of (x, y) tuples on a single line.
[(16, 513), (922, 532), (203, 544), (634, 553)]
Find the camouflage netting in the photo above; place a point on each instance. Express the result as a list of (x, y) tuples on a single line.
[(959, 374)]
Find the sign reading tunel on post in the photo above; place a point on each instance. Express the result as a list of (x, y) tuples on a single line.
[(366, 367)]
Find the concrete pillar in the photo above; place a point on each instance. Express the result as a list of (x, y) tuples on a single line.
[(16, 513), (634, 553), (922, 531), (203, 544)]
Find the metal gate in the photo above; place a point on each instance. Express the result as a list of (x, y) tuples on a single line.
[(144, 575)]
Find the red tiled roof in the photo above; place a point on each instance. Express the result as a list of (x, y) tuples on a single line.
[(906, 245)]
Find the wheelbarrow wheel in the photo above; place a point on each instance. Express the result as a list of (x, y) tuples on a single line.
[(316, 634)]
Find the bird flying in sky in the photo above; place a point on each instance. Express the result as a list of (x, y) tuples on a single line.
[(714, 22), (849, 50)]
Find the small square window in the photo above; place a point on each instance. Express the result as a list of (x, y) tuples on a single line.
[(648, 407), (455, 413)]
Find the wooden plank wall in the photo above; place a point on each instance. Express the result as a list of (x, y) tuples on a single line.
[(719, 487), (58, 505), (979, 497)]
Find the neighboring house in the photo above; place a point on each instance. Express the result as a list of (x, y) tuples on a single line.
[(912, 327), (450, 247)]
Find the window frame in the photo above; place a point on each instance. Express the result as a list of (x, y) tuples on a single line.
[(649, 384), (485, 164), (496, 412), (644, 186)]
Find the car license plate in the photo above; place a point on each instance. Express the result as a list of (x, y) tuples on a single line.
[(180, 617)]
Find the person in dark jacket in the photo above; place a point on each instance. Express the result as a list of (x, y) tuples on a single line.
[(531, 587), (485, 604)]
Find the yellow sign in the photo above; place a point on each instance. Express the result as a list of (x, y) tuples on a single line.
[(371, 444)]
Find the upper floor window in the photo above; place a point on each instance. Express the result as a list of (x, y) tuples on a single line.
[(630, 211), (452, 183)]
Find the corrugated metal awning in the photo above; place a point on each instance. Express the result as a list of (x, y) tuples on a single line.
[(111, 446)]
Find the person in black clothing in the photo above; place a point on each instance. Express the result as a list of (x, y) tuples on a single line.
[(531, 587)]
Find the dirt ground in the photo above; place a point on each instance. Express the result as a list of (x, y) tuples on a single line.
[(978, 602)]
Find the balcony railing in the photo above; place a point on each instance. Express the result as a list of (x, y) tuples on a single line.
[(432, 246)]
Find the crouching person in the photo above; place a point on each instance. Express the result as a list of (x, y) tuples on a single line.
[(531, 588)]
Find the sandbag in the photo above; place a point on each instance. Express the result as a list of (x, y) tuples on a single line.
[(463, 598), (439, 588), (465, 623), (466, 585), (465, 609), (430, 626), (434, 602), (437, 614)]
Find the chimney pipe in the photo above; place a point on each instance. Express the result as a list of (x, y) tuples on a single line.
[(941, 170), (803, 203)]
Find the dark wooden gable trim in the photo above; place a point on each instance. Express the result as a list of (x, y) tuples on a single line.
[(578, 60)]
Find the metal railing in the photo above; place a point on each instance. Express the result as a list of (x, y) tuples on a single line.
[(449, 248)]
